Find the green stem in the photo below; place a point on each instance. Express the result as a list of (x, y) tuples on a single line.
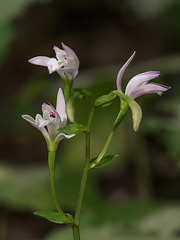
[(105, 147), (83, 180), (67, 92), (51, 161), (120, 117)]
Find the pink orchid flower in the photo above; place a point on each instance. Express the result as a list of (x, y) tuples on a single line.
[(66, 62), (139, 84), (51, 120)]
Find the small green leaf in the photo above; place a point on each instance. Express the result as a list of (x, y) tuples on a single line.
[(107, 159), (81, 93), (135, 109), (55, 217), (74, 128), (105, 100)]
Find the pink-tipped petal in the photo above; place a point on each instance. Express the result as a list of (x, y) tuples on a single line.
[(121, 72), (147, 89), (59, 53), (40, 60), (140, 79), (61, 107), (68, 50)]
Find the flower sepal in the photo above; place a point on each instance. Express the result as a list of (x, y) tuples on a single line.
[(135, 109)]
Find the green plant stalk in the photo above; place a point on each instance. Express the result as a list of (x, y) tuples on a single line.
[(76, 233), (67, 88), (120, 117), (51, 161)]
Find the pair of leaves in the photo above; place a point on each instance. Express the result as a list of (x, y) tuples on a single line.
[(55, 217), (106, 100), (104, 161)]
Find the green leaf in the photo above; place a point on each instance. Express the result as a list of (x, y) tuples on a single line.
[(105, 100), (74, 128), (107, 159), (135, 109), (55, 217), (81, 93)]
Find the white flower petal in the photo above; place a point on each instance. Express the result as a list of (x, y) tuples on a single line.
[(121, 72), (30, 120), (139, 80), (53, 65), (61, 107), (40, 60), (61, 136), (40, 121)]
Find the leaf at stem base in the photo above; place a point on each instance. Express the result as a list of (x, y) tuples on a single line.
[(105, 160), (55, 217)]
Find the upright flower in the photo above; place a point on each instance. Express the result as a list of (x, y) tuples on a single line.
[(139, 84), (66, 62), (51, 120)]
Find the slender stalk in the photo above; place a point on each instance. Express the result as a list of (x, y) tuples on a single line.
[(67, 92), (51, 161), (120, 117), (83, 180), (76, 234), (102, 153)]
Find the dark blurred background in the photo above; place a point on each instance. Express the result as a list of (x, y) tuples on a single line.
[(137, 196)]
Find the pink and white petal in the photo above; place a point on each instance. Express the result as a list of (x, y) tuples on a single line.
[(140, 79), (30, 120), (60, 54), (68, 50), (61, 107), (121, 72), (72, 57), (147, 89), (46, 107), (61, 136), (40, 60)]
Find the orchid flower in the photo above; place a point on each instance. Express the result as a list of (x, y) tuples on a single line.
[(138, 85), (66, 62), (51, 120)]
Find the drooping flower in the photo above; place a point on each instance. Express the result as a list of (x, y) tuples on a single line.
[(51, 120), (139, 84), (66, 62)]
